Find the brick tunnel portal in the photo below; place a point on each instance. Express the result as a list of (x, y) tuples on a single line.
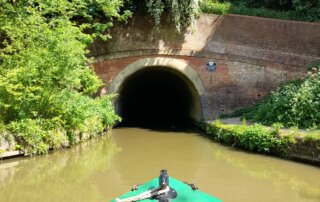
[(158, 96)]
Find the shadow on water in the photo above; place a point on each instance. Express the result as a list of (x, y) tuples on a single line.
[(176, 127)]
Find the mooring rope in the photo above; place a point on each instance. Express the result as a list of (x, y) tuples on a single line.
[(144, 195)]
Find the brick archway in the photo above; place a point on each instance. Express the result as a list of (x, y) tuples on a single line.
[(178, 67)]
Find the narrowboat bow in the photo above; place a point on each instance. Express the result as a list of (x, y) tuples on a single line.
[(159, 189)]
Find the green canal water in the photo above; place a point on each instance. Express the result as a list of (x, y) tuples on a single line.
[(101, 169)]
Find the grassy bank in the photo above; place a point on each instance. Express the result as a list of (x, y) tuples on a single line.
[(287, 143)]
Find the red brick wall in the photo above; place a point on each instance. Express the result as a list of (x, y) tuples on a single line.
[(252, 40), (253, 55), (300, 38), (233, 85)]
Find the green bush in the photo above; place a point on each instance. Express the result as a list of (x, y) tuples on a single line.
[(31, 134), (256, 138), (294, 104), (210, 6), (46, 85)]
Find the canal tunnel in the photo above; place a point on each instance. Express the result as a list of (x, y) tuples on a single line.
[(158, 96)]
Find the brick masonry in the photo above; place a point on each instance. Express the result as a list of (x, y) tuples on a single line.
[(253, 55)]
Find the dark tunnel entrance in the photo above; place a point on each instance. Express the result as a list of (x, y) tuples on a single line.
[(157, 96)]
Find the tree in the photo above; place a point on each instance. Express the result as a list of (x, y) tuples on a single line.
[(46, 84)]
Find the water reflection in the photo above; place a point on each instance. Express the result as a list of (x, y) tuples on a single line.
[(278, 172), (60, 176)]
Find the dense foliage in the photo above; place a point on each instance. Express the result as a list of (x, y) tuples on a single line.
[(256, 138), (46, 85), (181, 12), (304, 10), (294, 104)]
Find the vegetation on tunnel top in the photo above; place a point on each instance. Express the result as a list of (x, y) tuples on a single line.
[(300, 10)]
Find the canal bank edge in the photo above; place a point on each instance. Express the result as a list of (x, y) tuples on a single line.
[(290, 144), (8, 148), (293, 144)]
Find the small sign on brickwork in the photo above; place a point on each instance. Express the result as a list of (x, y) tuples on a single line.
[(211, 66)]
